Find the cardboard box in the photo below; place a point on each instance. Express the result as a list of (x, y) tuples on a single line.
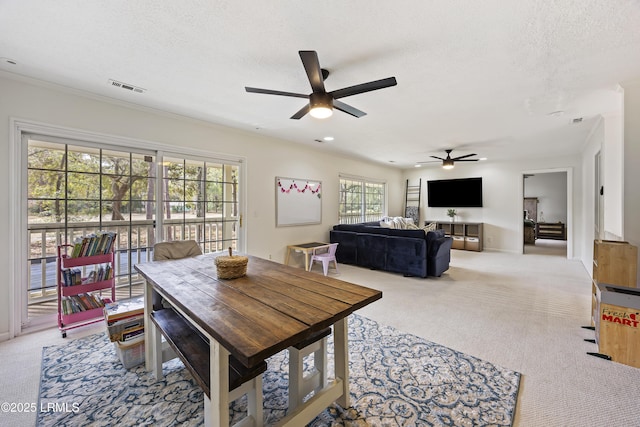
[(618, 323)]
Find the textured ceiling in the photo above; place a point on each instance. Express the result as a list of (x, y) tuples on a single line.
[(478, 76)]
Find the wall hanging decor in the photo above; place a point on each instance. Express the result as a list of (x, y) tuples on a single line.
[(298, 201)]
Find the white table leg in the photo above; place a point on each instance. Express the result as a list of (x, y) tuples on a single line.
[(341, 350), (153, 356), (150, 334), (216, 409)]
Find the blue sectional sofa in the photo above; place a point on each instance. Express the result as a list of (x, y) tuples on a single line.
[(406, 251)]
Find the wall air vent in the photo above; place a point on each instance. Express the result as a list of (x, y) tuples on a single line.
[(126, 86)]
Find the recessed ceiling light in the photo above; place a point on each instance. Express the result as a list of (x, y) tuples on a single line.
[(417, 166), (482, 158), (556, 113), (328, 138)]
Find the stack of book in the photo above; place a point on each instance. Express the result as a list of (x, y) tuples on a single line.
[(81, 302), (125, 319), (73, 276), (94, 244)]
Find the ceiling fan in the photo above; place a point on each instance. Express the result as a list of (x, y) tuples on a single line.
[(448, 162), (321, 103)]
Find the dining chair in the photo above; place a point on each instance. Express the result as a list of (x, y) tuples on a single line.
[(324, 254), (176, 249)]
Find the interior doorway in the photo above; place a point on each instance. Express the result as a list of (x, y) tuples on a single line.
[(546, 213)]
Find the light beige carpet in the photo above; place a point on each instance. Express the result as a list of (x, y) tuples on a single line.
[(522, 312)]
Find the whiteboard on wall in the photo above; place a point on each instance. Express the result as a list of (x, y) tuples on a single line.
[(298, 201)]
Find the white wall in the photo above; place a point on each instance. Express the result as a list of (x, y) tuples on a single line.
[(631, 161), (619, 159), (265, 158), (593, 145), (502, 197), (613, 171), (551, 191)]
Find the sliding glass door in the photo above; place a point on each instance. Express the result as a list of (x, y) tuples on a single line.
[(75, 188)]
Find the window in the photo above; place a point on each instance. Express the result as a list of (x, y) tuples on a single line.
[(200, 203), (75, 188), (361, 200)]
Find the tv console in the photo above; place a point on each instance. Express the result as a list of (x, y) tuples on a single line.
[(465, 235)]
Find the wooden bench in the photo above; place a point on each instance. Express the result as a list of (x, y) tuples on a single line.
[(193, 349)]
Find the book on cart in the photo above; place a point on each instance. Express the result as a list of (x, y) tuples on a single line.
[(82, 302), (93, 244)]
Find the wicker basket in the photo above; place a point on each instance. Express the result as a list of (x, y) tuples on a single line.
[(231, 267)]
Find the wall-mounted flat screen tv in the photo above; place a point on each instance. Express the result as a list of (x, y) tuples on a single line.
[(455, 193)]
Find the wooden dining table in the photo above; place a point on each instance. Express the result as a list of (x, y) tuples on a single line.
[(252, 318)]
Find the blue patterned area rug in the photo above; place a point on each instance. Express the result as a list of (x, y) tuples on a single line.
[(397, 379)]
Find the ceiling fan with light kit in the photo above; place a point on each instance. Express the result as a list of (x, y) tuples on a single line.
[(321, 103), (448, 162)]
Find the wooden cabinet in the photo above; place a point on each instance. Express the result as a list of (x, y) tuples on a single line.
[(614, 263), (80, 281), (551, 230), (465, 235)]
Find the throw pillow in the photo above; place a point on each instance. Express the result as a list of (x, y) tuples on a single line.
[(430, 227)]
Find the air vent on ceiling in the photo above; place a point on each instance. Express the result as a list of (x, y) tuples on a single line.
[(577, 120), (126, 86)]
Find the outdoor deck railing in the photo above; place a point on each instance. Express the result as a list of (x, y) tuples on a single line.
[(134, 245), (357, 218)]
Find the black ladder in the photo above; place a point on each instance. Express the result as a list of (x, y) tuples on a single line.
[(412, 201)]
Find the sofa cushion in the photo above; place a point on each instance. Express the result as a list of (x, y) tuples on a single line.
[(346, 252), (371, 224), (416, 234), (377, 230), (435, 234), (349, 227), (361, 228), (439, 250), (407, 256), (372, 250), (430, 227)]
